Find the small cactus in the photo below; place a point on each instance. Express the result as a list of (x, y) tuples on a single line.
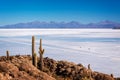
[(41, 51), (112, 75), (88, 66), (89, 72), (7, 55)]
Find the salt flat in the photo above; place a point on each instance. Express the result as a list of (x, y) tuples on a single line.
[(98, 47)]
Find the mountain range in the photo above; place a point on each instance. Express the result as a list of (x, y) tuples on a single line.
[(72, 24)]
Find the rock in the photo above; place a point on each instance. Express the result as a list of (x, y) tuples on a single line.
[(68, 70), (9, 69), (101, 76), (4, 77)]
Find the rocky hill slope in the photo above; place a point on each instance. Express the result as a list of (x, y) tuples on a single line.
[(21, 68)]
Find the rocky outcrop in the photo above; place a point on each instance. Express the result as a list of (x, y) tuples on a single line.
[(62, 70), (101, 76), (21, 68)]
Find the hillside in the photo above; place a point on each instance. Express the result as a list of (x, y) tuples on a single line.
[(20, 67)]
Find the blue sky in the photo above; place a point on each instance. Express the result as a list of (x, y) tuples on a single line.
[(84, 11)]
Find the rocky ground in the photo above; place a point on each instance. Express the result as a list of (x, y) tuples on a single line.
[(21, 68)]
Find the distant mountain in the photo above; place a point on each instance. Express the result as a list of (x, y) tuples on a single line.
[(72, 24)]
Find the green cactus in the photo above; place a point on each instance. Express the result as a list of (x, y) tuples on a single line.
[(41, 51), (7, 55)]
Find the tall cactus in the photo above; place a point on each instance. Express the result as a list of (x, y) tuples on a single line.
[(35, 59), (7, 55), (33, 46), (41, 51), (34, 55)]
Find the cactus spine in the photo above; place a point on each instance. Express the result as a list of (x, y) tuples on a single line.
[(34, 55), (7, 55), (41, 51)]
